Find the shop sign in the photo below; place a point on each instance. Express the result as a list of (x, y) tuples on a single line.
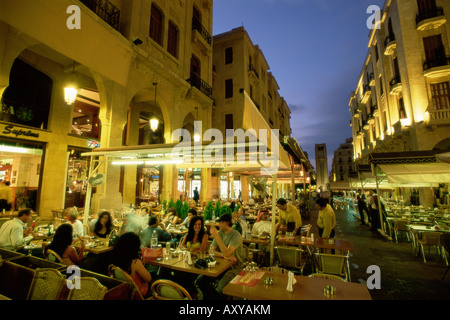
[(93, 144), (17, 132)]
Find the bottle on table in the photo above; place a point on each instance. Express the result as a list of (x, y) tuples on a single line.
[(154, 240)]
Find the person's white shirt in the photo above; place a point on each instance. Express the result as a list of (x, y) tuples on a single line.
[(262, 226), (77, 228), (11, 235)]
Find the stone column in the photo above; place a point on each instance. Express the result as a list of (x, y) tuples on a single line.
[(244, 188)]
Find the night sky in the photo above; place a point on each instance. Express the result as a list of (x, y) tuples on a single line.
[(315, 50)]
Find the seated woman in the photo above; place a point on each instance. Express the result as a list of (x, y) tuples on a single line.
[(62, 245), (103, 226), (171, 218), (126, 255), (196, 239)]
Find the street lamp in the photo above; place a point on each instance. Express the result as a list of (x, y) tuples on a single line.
[(71, 88)]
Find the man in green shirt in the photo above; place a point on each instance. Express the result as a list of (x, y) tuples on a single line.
[(227, 244)]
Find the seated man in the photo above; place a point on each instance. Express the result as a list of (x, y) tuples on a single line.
[(160, 228), (13, 234), (229, 243), (262, 225), (288, 215), (72, 216)]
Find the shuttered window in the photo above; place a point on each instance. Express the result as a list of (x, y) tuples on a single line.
[(156, 25), (172, 40), (440, 93)]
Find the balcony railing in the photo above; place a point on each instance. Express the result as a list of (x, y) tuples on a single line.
[(395, 80), (105, 10), (200, 84), (197, 25), (437, 12), (251, 68), (436, 62), (390, 38)]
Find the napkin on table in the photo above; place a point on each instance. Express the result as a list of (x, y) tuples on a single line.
[(291, 282), (188, 258)]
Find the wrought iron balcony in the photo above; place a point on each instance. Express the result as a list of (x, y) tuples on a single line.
[(396, 85), (389, 38), (390, 45), (436, 62), (200, 84), (437, 12), (197, 25), (105, 10)]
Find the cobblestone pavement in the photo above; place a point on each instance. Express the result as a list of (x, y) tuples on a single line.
[(404, 276)]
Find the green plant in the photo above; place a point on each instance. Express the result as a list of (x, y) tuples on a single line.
[(207, 215)]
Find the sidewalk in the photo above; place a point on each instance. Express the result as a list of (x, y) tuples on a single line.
[(404, 276)]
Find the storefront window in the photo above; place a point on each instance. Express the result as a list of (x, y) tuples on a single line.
[(20, 164), (77, 174)]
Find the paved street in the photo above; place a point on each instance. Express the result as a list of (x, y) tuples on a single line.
[(404, 276)]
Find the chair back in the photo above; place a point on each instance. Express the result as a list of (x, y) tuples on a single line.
[(290, 257), (89, 289), (432, 238), (332, 264), (327, 276), (47, 284), (400, 225), (169, 290), (53, 256), (122, 275)]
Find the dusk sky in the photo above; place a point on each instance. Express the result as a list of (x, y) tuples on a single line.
[(315, 50)]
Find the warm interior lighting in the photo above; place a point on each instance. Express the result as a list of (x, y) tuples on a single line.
[(154, 124), (70, 94), (405, 122), (164, 161), (20, 150), (127, 162)]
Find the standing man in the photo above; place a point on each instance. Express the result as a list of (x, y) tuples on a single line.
[(288, 216), (196, 195), (362, 206), (228, 242), (374, 211), (326, 221), (6, 196), (14, 234)]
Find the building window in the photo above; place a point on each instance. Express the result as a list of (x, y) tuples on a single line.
[(377, 57), (385, 121), (440, 93), (229, 88), (27, 99), (172, 40), (434, 52), (401, 109), (156, 24), (229, 124), (229, 55), (381, 86)]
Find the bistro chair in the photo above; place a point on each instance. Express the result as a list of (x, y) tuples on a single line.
[(89, 289), (432, 239), (122, 275), (46, 285), (169, 290), (327, 276), (291, 258), (332, 264), (51, 255), (400, 226)]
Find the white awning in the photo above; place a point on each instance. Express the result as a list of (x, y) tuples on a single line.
[(417, 174)]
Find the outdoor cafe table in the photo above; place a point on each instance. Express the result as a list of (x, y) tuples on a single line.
[(256, 240), (305, 288), (179, 264)]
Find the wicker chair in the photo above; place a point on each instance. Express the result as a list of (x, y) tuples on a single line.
[(291, 257), (46, 285), (119, 274), (432, 239), (169, 290), (326, 276), (89, 289), (51, 255), (333, 264)]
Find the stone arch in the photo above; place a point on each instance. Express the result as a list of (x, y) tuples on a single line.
[(443, 145)]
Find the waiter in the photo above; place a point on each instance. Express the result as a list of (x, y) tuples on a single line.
[(289, 215), (6, 196)]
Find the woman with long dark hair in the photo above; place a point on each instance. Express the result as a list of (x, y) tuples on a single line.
[(126, 255), (103, 226), (62, 245), (196, 238)]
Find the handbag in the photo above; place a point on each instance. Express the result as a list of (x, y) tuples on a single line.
[(149, 254)]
